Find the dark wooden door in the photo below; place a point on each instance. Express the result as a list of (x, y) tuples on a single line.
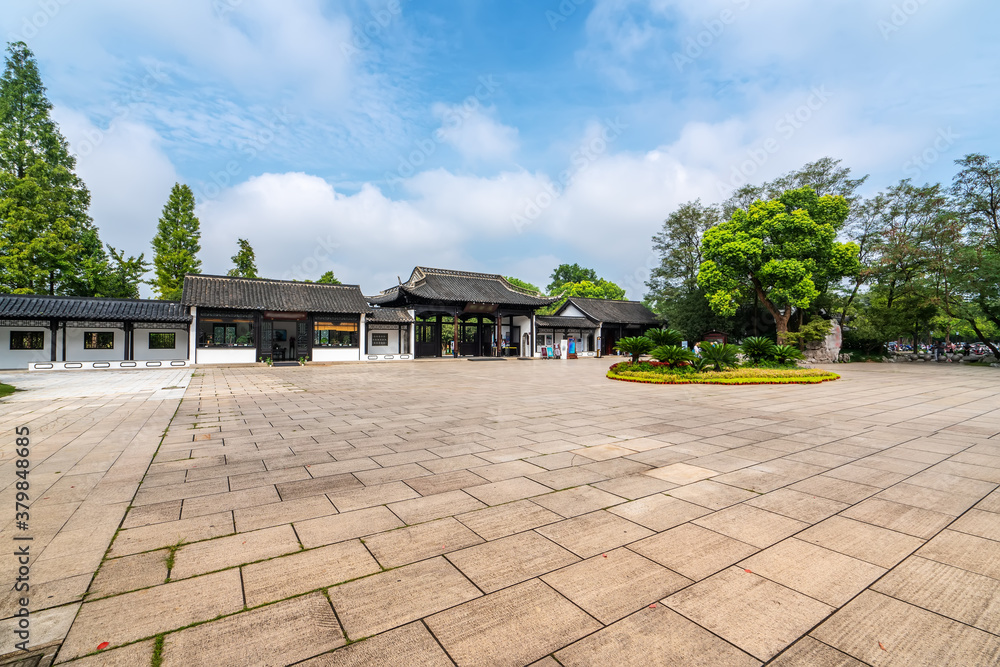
[(428, 336)]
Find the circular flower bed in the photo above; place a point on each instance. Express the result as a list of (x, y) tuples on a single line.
[(654, 373)]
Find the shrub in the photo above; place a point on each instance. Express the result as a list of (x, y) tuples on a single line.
[(784, 354), (636, 346), (699, 365), (661, 337), (673, 355), (719, 355), (758, 348)]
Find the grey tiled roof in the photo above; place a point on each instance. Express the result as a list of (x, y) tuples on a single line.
[(613, 312), (389, 316), (277, 295), (554, 322), (29, 306), (459, 287)]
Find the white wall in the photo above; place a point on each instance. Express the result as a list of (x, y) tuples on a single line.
[(336, 354), (571, 311), (75, 351), (393, 346), (222, 355), (19, 359), (143, 353)]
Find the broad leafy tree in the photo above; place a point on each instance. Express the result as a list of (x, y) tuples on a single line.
[(176, 244), (328, 279), (523, 284), (569, 273), (678, 244), (783, 250), (43, 203), (244, 261)]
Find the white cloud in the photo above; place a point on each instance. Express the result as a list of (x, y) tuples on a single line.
[(475, 133), (128, 175)]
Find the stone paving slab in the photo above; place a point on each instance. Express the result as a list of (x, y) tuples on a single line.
[(880, 630), (125, 618), (388, 600), (610, 586), (305, 571), (480, 632), (510, 560), (411, 644), (567, 516), (753, 613), (271, 636), (654, 635)]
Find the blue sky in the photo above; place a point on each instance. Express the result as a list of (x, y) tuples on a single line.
[(368, 137)]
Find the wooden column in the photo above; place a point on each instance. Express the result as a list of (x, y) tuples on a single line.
[(454, 332), (63, 341), (54, 330)]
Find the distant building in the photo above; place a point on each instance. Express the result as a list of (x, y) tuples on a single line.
[(226, 320)]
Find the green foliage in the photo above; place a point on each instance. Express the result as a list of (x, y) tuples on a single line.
[(635, 345), (699, 365), (570, 273), (784, 354), (758, 348), (43, 203), (328, 279), (813, 331), (784, 249), (602, 289), (176, 244), (673, 355), (646, 372), (664, 336), (719, 355), (523, 284), (678, 245), (6, 389), (245, 263)]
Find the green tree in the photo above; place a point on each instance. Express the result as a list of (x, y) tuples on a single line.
[(678, 244), (245, 262), (523, 284), (635, 346), (599, 289), (176, 244), (825, 176), (969, 262), (784, 250), (569, 273), (328, 279), (43, 203)]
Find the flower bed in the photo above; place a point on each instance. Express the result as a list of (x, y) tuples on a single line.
[(660, 374)]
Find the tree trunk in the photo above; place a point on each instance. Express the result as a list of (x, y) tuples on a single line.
[(781, 321), (780, 318), (983, 338)]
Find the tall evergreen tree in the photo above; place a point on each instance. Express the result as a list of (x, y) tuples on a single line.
[(176, 244), (43, 203), (245, 262)]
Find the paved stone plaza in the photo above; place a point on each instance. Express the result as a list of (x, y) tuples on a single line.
[(508, 513)]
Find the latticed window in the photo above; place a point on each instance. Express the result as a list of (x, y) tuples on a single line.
[(99, 340), (336, 333), (162, 341), (27, 340)]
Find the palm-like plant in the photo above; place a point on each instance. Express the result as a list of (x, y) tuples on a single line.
[(673, 355), (719, 355), (758, 348), (662, 337), (699, 364), (636, 346), (784, 354)]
